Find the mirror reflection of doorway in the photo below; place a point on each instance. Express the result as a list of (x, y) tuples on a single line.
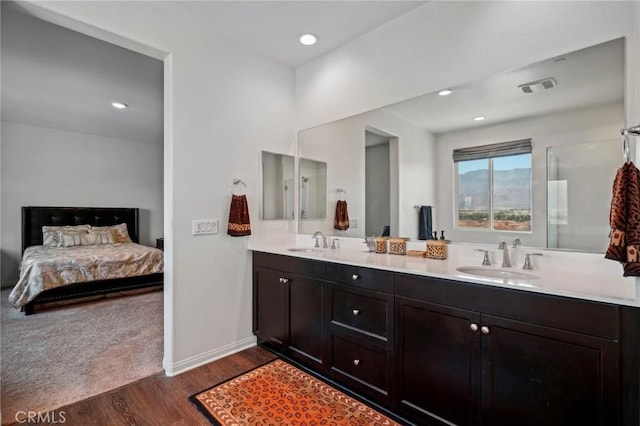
[(378, 183)]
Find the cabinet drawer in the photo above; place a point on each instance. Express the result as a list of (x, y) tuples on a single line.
[(361, 364), (371, 279), (364, 313), (290, 265)]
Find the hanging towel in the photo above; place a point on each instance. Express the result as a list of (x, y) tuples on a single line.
[(424, 223), (341, 222), (624, 219), (618, 216), (239, 222)]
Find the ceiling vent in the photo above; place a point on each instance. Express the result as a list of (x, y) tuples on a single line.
[(538, 85)]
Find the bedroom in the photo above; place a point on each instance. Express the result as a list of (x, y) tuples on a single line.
[(209, 101), (63, 144)]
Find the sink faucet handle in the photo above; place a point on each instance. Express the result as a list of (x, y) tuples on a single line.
[(527, 260), (517, 242), (485, 258), (335, 243), (317, 243)]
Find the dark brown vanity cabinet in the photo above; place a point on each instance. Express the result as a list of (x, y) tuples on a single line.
[(442, 352), (361, 330), (289, 297), (480, 356)]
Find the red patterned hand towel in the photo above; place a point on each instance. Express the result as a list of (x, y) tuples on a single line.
[(632, 232), (239, 222), (341, 221), (618, 216)]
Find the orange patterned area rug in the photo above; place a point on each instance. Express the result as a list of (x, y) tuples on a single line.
[(280, 394)]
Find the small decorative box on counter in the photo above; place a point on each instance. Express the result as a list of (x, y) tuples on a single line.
[(436, 249), (381, 245), (398, 246)]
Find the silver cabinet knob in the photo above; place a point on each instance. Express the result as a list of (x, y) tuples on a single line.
[(355, 277), (356, 312), (356, 362), (285, 280), (484, 329), (473, 327), (281, 280)]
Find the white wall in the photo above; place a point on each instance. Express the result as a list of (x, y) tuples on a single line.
[(558, 129), (444, 44), (223, 105), (341, 145), (51, 167)]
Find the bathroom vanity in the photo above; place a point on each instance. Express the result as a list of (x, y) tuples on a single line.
[(439, 350)]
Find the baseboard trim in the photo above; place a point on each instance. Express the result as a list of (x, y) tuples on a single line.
[(206, 357)]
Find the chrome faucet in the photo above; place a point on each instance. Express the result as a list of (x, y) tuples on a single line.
[(485, 258), (517, 242), (506, 262), (325, 242), (527, 260)]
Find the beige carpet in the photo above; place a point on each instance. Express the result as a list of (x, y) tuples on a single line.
[(69, 353)]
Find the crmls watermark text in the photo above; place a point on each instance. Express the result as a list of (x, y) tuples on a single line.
[(51, 417)]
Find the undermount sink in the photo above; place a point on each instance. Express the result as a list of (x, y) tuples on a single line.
[(495, 273), (305, 250)]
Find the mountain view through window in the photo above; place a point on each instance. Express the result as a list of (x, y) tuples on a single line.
[(498, 189)]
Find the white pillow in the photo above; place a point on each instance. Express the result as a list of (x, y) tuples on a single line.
[(50, 233), (70, 238), (96, 237), (120, 232)]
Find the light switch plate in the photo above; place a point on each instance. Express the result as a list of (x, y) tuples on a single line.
[(353, 223), (204, 226)]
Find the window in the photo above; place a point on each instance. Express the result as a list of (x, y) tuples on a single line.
[(493, 188)]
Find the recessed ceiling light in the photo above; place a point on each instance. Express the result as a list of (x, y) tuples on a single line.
[(119, 105), (308, 39), (445, 92), (479, 118)]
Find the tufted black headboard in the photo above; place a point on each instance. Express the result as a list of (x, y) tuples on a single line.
[(34, 218)]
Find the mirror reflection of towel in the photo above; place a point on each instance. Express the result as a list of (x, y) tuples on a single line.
[(239, 222), (424, 223), (341, 221)]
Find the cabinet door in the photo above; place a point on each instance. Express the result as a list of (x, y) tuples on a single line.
[(438, 349), (534, 375), (271, 292), (306, 330)]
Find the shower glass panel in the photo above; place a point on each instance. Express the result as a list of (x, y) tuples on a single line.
[(313, 189), (579, 180), (277, 186)]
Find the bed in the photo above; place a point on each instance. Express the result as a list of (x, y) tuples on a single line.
[(34, 218)]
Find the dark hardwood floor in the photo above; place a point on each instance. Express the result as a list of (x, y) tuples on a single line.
[(158, 400)]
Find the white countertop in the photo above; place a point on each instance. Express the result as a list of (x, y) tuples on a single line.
[(579, 275)]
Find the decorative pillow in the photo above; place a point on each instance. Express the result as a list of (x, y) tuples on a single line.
[(70, 238), (50, 233), (119, 231), (95, 237)]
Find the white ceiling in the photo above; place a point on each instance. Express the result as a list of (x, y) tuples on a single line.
[(55, 77), (587, 77)]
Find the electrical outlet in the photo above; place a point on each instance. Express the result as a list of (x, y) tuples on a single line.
[(353, 223), (204, 227)]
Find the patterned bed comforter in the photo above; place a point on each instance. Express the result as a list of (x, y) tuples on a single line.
[(43, 268)]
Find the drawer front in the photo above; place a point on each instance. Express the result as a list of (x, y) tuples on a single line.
[(291, 265), (371, 279), (363, 313), (357, 362)]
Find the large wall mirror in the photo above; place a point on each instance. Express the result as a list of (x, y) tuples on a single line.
[(392, 160), (277, 186)]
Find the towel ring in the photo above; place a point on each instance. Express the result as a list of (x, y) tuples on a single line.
[(237, 182)]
